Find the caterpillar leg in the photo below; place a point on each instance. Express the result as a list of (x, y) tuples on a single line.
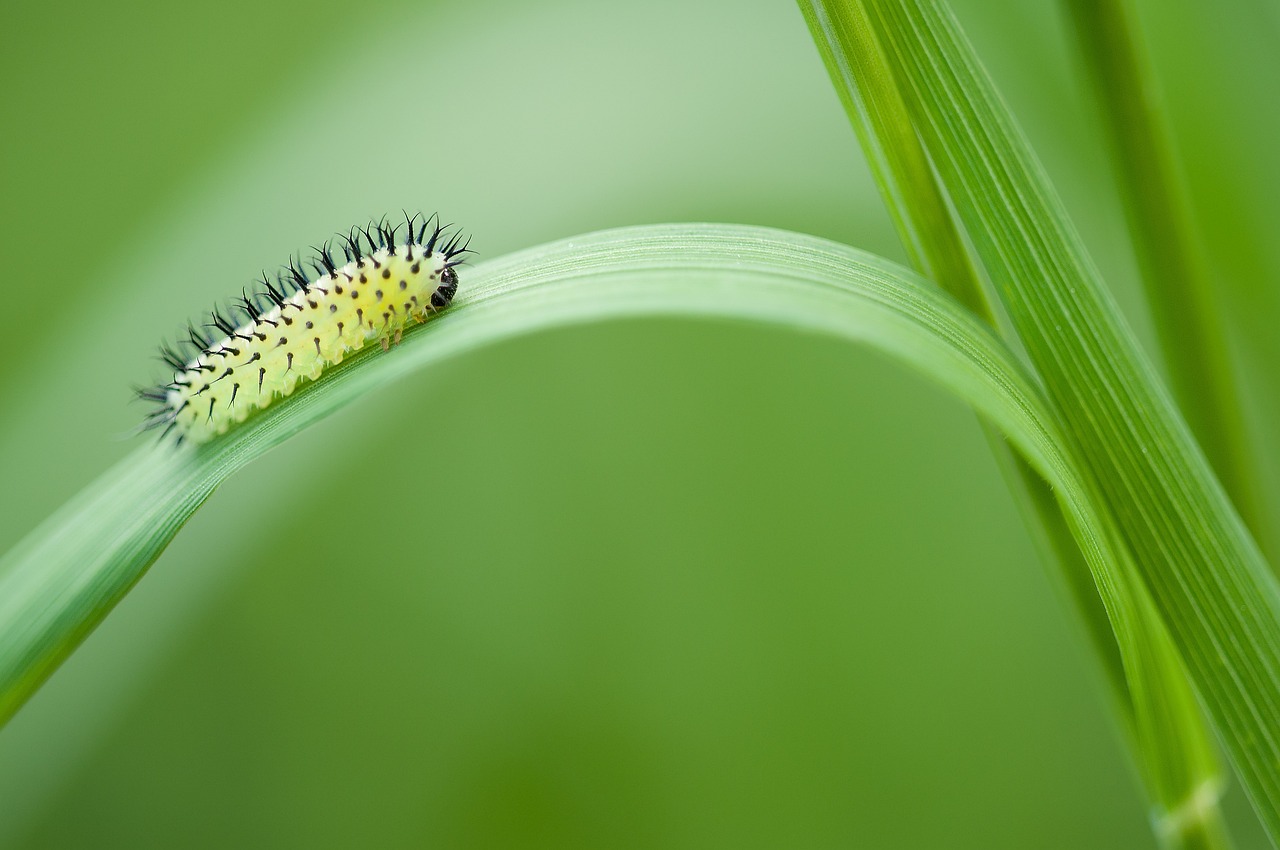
[(399, 334), (386, 343)]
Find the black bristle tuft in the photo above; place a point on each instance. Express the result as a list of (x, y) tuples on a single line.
[(300, 281), (451, 249), (353, 246), (276, 296), (156, 394), (426, 222), (220, 322), (324, 258), (435, 236), (247, 306), (172, 358), (198, 339)]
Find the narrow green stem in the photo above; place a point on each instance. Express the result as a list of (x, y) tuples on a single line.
[(1164, 732), (1196, 824), (1175, 273), (1212, 588), (915, 201)]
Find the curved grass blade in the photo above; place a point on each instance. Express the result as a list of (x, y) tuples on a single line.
[(68, 574)]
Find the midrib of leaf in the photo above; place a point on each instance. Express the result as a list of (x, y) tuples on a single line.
[(1211, 584), (68, 574), (1165, 732)]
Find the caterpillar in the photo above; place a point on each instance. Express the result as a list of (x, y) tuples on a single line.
[(299, 325)]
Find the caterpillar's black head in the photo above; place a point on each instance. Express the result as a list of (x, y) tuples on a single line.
[(443, 296)]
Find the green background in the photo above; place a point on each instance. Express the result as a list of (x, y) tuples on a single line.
[(643, 584)]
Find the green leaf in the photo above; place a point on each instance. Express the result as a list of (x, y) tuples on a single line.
[(1210, 582), (1180, 288), (1166, 733), (66, 576)]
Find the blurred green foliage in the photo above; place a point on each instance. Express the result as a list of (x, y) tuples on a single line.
[(646, 584)]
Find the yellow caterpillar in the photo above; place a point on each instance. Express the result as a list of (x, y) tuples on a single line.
[(297, 327)]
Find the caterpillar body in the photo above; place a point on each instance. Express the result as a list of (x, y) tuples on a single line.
[(295, 328)]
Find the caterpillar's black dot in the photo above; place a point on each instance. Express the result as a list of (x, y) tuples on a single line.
[(386, 272), (355, 293), (235, 388), (317, 342), (284, 340), (289, 355), (364, 279), (378, 295), (262, 373), (311, 324), (333, 308), (338, 289)]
